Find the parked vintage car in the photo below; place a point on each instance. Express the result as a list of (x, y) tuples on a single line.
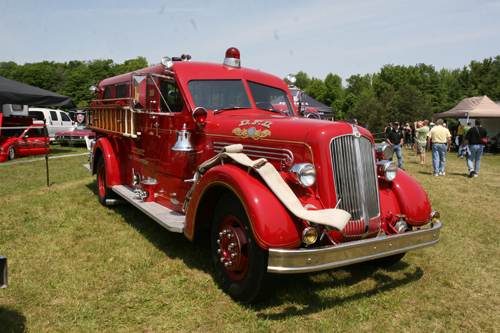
[(16, 141), (79, 135)]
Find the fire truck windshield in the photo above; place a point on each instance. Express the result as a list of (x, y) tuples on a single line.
[(270, 98), (219, 94)]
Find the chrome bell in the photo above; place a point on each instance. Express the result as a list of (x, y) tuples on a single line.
[(183, 140)]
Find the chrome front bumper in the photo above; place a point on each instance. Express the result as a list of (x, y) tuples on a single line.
[(317, 259)]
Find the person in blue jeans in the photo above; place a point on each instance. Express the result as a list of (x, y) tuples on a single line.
[(395, 138), (440, 137), (473, 139)]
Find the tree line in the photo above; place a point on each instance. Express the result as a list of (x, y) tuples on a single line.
[(395, 93), (404, 94), (73, 78)]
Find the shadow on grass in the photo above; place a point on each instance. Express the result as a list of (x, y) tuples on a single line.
[(11, 321), (296, 288), (305, 297), (195, 254)]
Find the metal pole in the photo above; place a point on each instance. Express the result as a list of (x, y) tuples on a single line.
[(46, 153)]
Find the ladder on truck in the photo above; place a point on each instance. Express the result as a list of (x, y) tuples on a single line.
[(117, 118)]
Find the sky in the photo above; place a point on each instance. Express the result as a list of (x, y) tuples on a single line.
[(317, 37)]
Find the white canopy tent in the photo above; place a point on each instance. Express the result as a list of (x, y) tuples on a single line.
[(476, 107)]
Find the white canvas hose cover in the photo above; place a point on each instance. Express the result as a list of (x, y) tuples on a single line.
[(335, 218)]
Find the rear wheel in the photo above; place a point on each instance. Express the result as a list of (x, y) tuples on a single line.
[(12, 153), (240, 263), (103, 191)]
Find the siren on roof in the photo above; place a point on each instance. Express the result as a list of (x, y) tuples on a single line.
[(232, 58)]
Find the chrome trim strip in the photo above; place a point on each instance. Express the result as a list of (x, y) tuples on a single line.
[(284, 156), (317, 259)]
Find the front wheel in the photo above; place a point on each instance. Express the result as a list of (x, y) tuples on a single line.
[(240, 263), (103, 191), (12, 153)]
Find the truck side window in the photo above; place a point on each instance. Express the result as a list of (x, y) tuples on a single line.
[(65, 117), (107, 93), (34, 133), (172, 96), (38, 115), (53, 116), (121, 90)]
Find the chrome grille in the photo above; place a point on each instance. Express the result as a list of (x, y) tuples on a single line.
[(283, 156), (354, 174)]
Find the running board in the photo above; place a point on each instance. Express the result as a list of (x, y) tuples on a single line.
[(169, 219)]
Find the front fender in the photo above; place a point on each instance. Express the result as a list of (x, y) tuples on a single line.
[(272, 224), (109, 149), (413, 200)]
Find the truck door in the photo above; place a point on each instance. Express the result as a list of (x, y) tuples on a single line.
[(55, 123), (33, 141), (146, 146), (173, 167), (66, 122)]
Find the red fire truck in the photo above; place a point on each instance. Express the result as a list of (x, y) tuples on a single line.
[(201, 150)]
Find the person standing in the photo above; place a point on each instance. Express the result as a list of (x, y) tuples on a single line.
[(440, 138), (473, 139), (414, 139), (466, 129), (407, 132), (422, 130), (459, 133), (388, 129), (395, 138)]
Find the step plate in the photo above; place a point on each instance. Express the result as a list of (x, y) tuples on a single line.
[(169, 219)]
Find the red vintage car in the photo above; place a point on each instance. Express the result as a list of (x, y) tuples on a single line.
[(21, 141), (79, 135)]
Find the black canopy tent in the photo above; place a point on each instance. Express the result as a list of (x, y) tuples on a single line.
[(13, 92), (325, 111)]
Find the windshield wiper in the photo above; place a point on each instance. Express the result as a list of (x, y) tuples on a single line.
[(229, 108), (272, 110)]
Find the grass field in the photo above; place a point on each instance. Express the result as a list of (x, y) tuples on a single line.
[(76, 266)]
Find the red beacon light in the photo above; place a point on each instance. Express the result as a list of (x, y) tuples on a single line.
[(200, 115), (232, 58)]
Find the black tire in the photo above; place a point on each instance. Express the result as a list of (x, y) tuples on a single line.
[(388, 261), (12, 153), (240, 263), (103, 191)]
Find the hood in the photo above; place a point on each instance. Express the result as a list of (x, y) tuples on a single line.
[(255, 126)]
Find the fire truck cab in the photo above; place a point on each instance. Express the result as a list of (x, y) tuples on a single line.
[(202, 150)]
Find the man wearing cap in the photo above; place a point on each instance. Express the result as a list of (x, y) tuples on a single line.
[(440, 137), (395, 138)]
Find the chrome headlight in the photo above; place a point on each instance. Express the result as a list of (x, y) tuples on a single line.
[(309, 236), (303, 174), (384, 150), (435, 217), (387, 170)]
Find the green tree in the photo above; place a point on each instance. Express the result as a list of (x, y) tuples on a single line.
[(358, 84), (130, 66), (303, 80), (7, 69), (333, 84), (409, 104)]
